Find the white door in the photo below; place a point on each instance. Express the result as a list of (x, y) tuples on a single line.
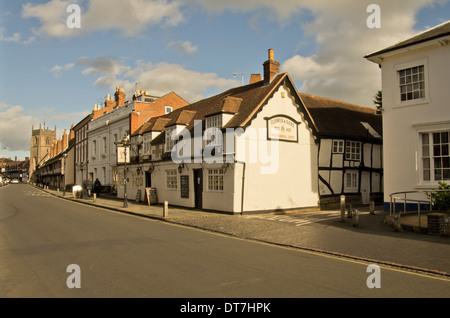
[(365, 187)]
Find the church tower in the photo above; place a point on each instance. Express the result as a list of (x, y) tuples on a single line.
[(40, 148)]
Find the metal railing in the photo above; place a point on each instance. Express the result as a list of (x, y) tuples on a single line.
[(402, 196)]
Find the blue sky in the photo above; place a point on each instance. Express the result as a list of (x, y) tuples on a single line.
[(51, 73)]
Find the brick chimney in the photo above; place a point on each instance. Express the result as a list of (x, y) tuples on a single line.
[(119, 96), (271, 68), (64, 140), (255, 78)]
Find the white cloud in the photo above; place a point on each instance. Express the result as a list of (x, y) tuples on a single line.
[(337, 69), (57, 70), (184, 47), (16, 123), (15, 127), (158, 79), (16, 37), (128, 17)]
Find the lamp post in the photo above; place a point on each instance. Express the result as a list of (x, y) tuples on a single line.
[(125, 142), (63, 171)]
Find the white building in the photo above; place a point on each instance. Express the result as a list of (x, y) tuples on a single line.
[(258, 147), (117, 120), (415, 75)]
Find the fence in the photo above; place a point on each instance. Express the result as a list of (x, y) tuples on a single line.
[(426, 204)]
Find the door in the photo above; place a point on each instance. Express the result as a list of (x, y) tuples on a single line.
[(365, 187), (198, 188), (148, 179)]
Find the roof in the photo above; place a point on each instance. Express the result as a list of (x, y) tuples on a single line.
[(243, 102), (326, 117), (334, 118), (436, 32)]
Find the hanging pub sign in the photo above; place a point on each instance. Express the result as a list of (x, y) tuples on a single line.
[(282, 127), (121, 151)]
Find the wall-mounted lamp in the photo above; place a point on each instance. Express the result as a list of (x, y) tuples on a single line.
[(180, 167), (225, 167), (151, 168)]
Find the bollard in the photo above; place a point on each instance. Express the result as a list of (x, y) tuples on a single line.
[(165, 209), (372, 207), (355, 214), (57, 191), (349, 212), (397, 226), (343, 208), (94, 197)]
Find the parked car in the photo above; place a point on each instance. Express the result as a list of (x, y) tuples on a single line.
[(14, 181)]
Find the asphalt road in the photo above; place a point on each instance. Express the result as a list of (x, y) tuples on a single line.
[(125, 256)]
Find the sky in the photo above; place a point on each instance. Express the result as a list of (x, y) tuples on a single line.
[(55, 65)]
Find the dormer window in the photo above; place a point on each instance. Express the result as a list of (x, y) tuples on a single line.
[(169, 141), (212, 122), (168, 109)]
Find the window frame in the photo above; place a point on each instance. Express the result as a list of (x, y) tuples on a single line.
[(171, 179), (215, 179), (169, 142), (404, 66), (430, 157), (339, 145), (353, 187), (349, 150)]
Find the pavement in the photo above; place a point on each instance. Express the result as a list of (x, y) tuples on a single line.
[(323, 232)]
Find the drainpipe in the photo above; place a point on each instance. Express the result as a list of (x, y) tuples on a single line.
[(243, 186)]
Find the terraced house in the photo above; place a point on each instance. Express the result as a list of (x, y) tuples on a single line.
[(258, 147)]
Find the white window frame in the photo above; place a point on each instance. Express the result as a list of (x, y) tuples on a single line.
[(404, 66), (337, 146), (428, 157), (147, 144), (212, 122), (353, 150), (171, 179), (215, 180), (168, 109), (169, 141), (351, 185)]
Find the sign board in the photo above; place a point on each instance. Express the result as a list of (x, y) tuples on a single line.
[(138, 195), (184, 186), (151, 196), (121, 154), (282, 127)]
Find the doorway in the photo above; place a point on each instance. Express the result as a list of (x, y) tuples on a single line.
[(198, 188)]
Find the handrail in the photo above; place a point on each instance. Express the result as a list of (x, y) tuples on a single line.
[(405, 199)]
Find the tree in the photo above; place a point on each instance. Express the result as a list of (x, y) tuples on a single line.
[(378, 100)]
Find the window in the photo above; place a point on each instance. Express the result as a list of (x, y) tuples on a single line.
[(168, 109), (94, 148), (215, 179), (147, 144), (412, 83), (213, 122), (104, 145), (171, 179), (169, 141), (353, 150), (351, 180), (338, 146), (435, 156)]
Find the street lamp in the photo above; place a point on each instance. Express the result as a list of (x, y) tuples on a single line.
[(63, 171), (125, 143)]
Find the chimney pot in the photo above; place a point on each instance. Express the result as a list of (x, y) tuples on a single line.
[(271, 55), (271, 68)]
